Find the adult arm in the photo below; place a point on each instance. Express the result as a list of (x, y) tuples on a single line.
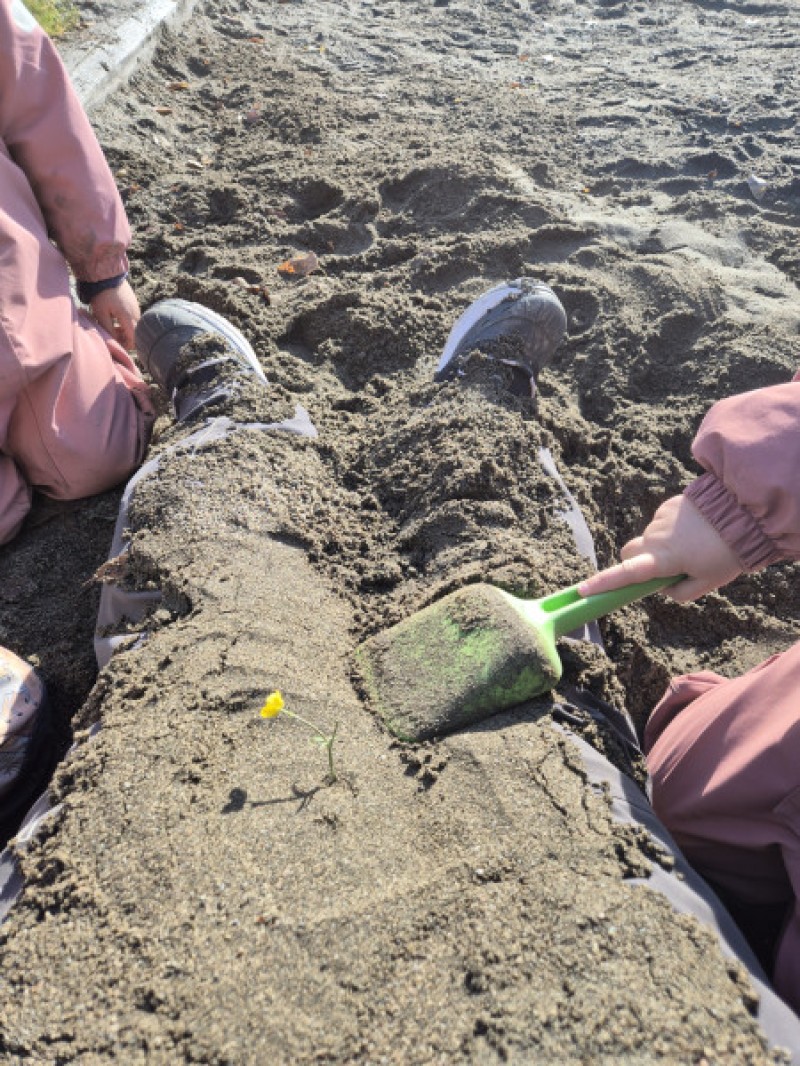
[(741, 514)]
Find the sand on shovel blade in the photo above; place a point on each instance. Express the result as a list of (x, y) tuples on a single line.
[(454, 663)]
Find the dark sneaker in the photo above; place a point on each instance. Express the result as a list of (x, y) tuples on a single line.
[(519, 323), (166, 328)]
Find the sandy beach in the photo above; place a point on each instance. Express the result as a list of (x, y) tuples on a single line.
[(203, 895)]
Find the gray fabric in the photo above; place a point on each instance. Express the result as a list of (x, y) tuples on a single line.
[(11, 880)]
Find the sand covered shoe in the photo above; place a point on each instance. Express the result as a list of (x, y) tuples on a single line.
[(519, 324), (193, 382), (29, 746)]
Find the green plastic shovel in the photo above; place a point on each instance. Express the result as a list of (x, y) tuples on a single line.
[(474, 653)]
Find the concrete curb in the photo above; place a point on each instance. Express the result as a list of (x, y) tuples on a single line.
[(100, 67)]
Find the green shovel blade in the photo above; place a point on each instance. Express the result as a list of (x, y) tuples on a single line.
[(474, 653)]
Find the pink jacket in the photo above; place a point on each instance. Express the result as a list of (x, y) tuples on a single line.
[(724, 754), (750, 447), (45, 132)]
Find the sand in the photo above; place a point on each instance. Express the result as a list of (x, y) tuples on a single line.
[(205, 895)]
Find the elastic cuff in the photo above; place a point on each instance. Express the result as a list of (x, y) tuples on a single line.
[(737, 527), (87, 290)]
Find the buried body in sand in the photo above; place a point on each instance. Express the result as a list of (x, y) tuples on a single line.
[(140, 894), (719, 752)]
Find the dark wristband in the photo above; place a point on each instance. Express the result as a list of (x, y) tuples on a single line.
[(87, 290)]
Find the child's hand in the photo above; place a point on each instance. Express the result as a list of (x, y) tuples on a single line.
[(677, 541), (117, 311)]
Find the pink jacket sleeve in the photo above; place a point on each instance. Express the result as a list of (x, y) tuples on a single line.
[(46, 132), (749, 446)]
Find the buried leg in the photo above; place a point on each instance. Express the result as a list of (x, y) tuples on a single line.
[(507, 336), (503, 340), (677, 786), (202, 379), (203, 363)]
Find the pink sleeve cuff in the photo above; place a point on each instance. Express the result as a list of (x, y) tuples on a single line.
[(106, 261), (737, 527)]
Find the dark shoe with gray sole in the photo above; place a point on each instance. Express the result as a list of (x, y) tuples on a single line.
[(162, 334), (519, 324)]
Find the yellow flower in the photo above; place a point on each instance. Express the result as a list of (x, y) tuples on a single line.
[(273, 705)]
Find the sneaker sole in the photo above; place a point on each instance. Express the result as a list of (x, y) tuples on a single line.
[(207, 321), (477, 310)]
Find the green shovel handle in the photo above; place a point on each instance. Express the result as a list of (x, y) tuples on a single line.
[(567, 610)]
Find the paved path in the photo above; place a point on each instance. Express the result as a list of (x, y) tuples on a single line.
[(114, 37)]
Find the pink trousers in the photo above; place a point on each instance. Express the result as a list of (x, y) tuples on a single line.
[(724, 757), (75, 414)]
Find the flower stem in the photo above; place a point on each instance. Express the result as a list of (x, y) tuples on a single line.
[(327, 738), (305, 721), (331, 738)]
